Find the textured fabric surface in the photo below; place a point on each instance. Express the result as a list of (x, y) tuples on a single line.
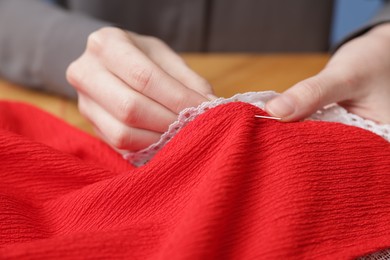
[(227, 186), (331, 113)]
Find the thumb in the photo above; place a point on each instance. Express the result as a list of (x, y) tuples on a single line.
[(307, 96)]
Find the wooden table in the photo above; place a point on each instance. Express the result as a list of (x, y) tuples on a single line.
[(228, 73)]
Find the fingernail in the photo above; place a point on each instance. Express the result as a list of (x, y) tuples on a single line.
[(281, 106), (211, 97)]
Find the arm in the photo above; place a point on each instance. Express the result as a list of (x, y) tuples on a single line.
[(357, 77), (38, 41)]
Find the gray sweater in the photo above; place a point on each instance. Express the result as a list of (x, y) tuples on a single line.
[(38, 39)]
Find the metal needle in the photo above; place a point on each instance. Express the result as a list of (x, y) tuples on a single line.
[(269, 117)]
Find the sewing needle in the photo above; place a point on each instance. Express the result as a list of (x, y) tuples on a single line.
[(269, 117)]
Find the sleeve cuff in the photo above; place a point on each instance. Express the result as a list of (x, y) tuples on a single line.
[(382, 17), (39, 40)]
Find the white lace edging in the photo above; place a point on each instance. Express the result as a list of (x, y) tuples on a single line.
[(332, 113)]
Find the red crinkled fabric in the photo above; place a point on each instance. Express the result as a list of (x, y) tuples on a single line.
[(228, 186)]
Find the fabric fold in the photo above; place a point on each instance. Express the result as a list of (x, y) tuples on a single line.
[(226, 186)]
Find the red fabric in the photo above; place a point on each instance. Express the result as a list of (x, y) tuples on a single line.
[(228, 186)]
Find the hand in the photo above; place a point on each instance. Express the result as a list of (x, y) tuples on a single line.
[(131, 87), (357, 77)]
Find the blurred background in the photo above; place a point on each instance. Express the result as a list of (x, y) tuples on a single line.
[(348, 15)]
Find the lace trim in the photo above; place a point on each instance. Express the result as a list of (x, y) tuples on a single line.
[(380, 255), (332, 113)]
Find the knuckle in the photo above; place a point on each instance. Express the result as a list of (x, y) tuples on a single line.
[(121, 138), (95, 41), (141, 76), (128, 111), (99, 39), (75, 75), (70, 73)]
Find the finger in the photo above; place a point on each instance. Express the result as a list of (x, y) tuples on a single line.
[(116, 133), (132, 66), (309, 95), (105, 139), (125, 104), (173, 64)]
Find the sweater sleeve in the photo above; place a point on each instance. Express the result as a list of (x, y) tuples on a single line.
[(383, 16), (38, 40)]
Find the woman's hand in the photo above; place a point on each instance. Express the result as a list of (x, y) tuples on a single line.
[(131, 87), (357, 77)]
